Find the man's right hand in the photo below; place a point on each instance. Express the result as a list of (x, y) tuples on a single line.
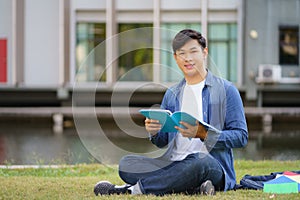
[(152, 126)]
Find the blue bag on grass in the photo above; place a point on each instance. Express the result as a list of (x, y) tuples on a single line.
[(257, 182)]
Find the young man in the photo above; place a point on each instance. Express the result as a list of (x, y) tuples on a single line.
[(197, 160)]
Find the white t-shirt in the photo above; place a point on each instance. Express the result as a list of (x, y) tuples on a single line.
[(192, 104)]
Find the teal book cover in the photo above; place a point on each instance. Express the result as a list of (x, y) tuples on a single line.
[(169, 120)]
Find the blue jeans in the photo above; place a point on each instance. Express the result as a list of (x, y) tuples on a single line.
[(156, 176)]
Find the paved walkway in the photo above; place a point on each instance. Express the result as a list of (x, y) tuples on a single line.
[(123, 111), (58, 113), (33, 166), (67, 111)]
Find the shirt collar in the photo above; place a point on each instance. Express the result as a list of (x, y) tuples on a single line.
[(209, 79)]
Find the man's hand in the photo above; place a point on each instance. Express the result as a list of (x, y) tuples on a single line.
[(152, 126), (197, 131)]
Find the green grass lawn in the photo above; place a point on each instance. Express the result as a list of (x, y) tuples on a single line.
[(77, 182)]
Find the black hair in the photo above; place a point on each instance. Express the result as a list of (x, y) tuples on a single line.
[(186, 35)]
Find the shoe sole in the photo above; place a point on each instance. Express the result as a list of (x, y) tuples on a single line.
[(207, 188), (103, 188)]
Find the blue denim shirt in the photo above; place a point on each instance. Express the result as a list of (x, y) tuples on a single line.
[(223, 109)]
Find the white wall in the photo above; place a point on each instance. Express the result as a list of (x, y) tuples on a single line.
[(88, 4), (41, 51)]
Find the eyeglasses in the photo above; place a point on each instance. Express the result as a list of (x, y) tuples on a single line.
[(184, 55)]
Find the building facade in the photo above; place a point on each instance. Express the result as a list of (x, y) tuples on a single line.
[(271, 51), (51, 48)]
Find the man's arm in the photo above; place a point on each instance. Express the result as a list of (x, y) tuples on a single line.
[(235, 132), (158, 138)]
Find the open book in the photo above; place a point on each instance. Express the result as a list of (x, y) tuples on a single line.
[(169, 120)]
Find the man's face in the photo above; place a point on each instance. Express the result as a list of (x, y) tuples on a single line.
[(190, 59)]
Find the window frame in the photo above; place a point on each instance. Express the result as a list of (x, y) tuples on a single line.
[(228, 41), (92, 44), (285, 30)]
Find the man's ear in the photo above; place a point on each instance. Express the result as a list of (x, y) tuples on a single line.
[(205, 52), (175, 56)]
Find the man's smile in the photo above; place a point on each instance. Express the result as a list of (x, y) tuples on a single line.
[(189, 66)]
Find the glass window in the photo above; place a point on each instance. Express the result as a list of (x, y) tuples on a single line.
[(135, 52), (289, 43), (169, 69), (90, 58), (222, 48)]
